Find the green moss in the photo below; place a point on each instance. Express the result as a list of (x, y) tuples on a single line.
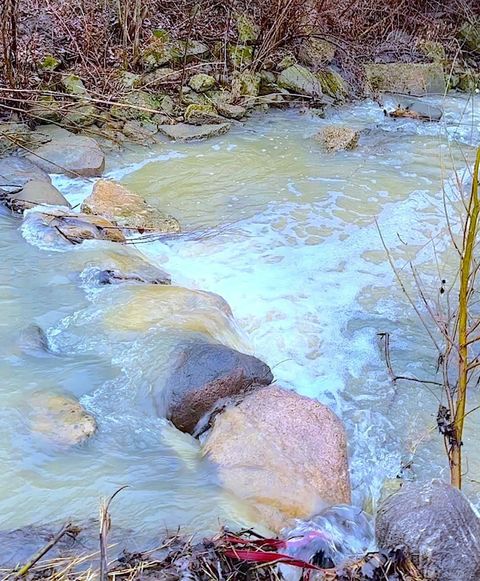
[(332, 84), (470, 35), (435, 51), (247, 84), (74, 85), (200, 114), (240, 55), (140, 101), (248, 31), (49, 63), (161, 34), (201, 82)]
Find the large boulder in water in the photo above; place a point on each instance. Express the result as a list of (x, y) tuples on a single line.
[(26, 185), (127, 209), (435, 525), (206, 373), (69, 153), (283, 453)]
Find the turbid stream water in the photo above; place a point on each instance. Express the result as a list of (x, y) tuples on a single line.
[(287, 235)]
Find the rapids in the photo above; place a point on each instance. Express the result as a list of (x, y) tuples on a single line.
[(288, 236)]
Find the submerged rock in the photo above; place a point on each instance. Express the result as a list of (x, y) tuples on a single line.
[(138, 308), (113, 264), (283, 453), (61, 419), (33, 341), (60, 226), (205, 373), (419, 108), (126, 208), (411, 78), (338, 137), (70, 154), (435, 525), (186, 132)]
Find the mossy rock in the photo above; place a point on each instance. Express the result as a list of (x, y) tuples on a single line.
[(139, 101), (15, 135), (468, 81), (156, 54), (140, 131), (202, 82), (240, 55), (435, 51), (81, 115), (287, 61), (332, 84), (49, 63), (189, 49), (246, 84), (167, 104), (301, 81), (219, 97), (46, 109), (201, 114), (470, 35), (190, 97), (411, 78), (73, 85), (129, 80), (161, 34), (248, 31), (316, 52)]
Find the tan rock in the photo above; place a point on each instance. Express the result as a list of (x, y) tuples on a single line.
[(72, 227), (338, 137), (127, 209), (411, 78), (61, 419), (283, 453)]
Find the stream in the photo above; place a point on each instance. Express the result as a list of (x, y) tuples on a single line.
[(288, 236)]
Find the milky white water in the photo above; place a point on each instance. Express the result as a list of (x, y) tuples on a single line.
[(289, 239)]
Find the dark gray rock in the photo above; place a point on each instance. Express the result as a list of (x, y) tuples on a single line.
[(33, 341), (115, 276), (436, 526), (205, 373)]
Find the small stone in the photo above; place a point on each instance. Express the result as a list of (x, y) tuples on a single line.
[(287, 61), (81, 115), (433, 524), (332, 84), (201, 83), (470, 35), (160, 78), (185, 132), (338, 138), (135, 105), (128, 80), (74, 85), (61, 419), (45, 109), (433, 50), (247, 84), (201, 114), (231, 111)]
